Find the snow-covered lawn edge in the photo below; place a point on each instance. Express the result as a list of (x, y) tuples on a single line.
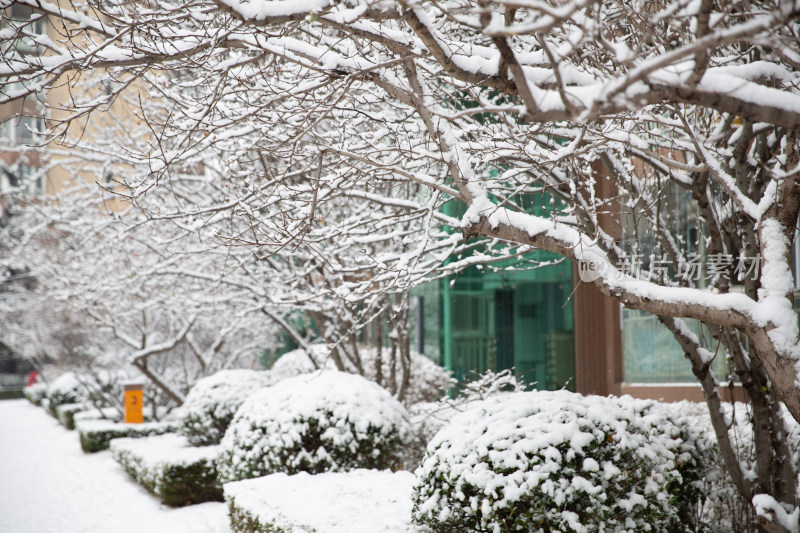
[(170, 468), (96, 435), (360, 501)]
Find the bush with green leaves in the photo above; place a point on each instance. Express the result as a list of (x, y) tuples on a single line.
[(559, 461), (319, 422), (211, 403)]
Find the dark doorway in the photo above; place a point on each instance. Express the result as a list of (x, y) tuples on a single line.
[(504, 328)]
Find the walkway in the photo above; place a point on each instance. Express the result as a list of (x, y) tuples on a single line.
[(48, 485)]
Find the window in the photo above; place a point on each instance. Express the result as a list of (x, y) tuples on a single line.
[(24, 20), (21, 130), (650, 353)]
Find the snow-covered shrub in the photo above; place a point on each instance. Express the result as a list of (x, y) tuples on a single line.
[(63, 390), (211, 403), (553, 461), (170, 468), (427, 418), (35, 393), (95, 435), (427, 382), (325, 421), (696, 456)]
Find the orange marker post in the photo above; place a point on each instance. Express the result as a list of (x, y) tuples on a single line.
[(134, 398)]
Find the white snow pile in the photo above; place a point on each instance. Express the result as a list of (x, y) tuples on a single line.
[(325, 421), (427, 380), (360, 501), (169, 467), (65, 389), (211, 403), (557, 461)]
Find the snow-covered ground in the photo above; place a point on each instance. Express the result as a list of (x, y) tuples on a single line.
[(48, 485)]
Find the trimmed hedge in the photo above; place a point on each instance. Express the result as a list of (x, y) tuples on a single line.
[(93, 413), (71, 413), (327, 421), (96, 435), (65, 414), (35, 393), (359, 501), (167, 466), (12, 394), (559, 461)]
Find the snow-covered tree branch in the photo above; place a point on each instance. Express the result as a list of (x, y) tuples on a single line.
[(355, 149)]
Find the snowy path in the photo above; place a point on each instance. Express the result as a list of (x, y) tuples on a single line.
[(48, 485)]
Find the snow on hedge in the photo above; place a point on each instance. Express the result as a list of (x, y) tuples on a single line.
[(427, 381), (95, 435), (35, 393), (557, 461), (297, 362), (93, 413), (428, 418), (211, 403), (65, 413), (65, 389), (325, 421), (169, 467), (360, 501)]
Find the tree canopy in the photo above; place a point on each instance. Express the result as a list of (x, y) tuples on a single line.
[(380, 144)]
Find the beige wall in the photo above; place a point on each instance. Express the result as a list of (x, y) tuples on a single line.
[(61, 163)]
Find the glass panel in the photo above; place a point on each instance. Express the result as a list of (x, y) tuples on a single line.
[(429, 297), (651, 354)]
